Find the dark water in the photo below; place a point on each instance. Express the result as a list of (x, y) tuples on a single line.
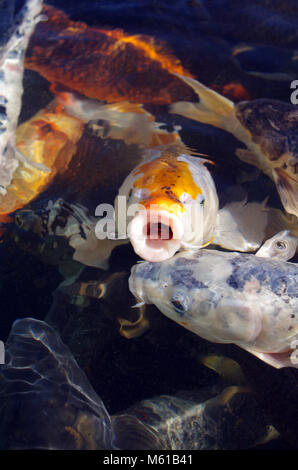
[(204, 35)]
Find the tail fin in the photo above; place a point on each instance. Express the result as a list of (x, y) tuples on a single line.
[(212, 109), (131, 434)]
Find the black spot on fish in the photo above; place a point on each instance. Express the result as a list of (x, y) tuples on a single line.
[(2, 110), (148, 271), (185, 278), (280, 277)]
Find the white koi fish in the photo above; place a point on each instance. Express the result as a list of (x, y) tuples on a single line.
[(282, 246), (11, 89), (227, 298)]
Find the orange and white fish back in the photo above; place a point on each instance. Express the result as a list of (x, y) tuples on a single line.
[(45, 145)]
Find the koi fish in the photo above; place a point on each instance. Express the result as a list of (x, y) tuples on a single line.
[(45, 145), (98, 54), (210, 418), (41, 376), (174, 201), (282, 246), (227, 298), (125, 121), (53, 381), (73, 223), (267, 127), (11, 90)]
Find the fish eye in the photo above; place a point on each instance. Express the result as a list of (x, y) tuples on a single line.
[(19, 221), (180, 303), (281, 245)]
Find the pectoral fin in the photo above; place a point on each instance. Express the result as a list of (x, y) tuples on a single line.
[(287, 188), (249, 157), (277, 360), (241, 226)]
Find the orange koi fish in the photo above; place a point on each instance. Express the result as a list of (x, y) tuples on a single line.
[(174, 201), (107, 65), (45, 145)]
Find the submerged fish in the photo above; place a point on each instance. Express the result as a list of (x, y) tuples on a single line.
[(108, 65), (46, 399), (73, 223), (172, 203), (47, 402), (282, 246), (11, 90), (45, 145), (267, 127), (227, 298), (211, 418)]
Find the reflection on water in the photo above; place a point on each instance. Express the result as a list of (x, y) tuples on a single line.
[(117, 52)]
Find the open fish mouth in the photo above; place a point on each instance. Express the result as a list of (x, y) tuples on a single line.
[(155, 234)]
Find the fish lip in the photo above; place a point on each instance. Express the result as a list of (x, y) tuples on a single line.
[(155, 250), (132, 284)]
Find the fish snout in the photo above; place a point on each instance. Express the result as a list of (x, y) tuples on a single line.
[(144, 278), (156, 235)]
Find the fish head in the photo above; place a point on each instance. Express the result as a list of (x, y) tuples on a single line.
[(168, 286), (273, 128), (168, 199), (282, 246), (144, 280)]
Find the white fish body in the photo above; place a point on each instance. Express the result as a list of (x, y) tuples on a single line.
[(227, 298), (11, 89)]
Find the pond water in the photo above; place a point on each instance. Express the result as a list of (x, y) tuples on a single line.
[(244, 50)]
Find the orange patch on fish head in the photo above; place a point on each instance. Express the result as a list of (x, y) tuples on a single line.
[(156, 233), (166, 179)]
